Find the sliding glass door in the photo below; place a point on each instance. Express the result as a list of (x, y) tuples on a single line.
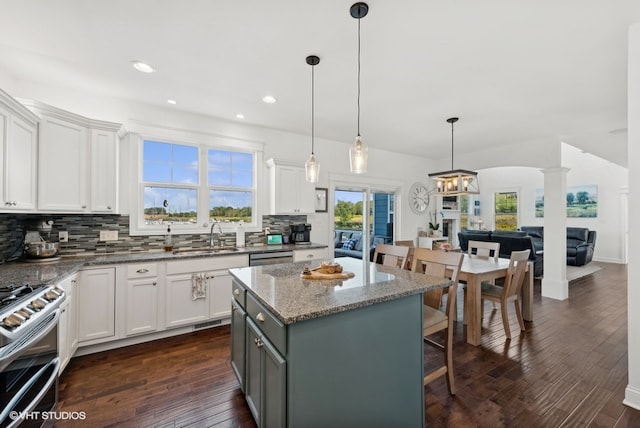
[(362, 218)]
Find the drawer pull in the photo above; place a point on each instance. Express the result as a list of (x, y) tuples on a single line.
[(309, 256), (236, 292), (258, 342), (260, 317), (142, 270)]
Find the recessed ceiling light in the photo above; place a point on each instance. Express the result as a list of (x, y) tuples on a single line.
[(142, 66), (269, 99), (172, 102), (240, 116)]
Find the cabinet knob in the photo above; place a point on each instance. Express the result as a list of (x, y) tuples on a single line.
[(108, 207), (74, 281), (236, 292), (309, 256), (260, 317), (142, 270), (84, 206), (258, 342), (154, 283)]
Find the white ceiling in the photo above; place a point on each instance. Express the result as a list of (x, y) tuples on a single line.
[(513, 71)]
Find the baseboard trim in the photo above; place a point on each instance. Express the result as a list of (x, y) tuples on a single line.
[(632, 397), (606, 260)]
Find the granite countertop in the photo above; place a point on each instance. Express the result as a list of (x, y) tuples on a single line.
[(292, 299), (18, 272)]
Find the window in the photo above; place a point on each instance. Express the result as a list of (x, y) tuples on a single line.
[(190, 185), (506, 210)]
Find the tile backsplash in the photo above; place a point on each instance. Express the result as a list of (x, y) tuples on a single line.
[(84, 233)]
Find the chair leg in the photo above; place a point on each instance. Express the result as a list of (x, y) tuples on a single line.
[(448, 357), (516, 303), (505, 319)]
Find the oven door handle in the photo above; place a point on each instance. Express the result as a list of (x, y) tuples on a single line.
[(16, 398), (15, 353)]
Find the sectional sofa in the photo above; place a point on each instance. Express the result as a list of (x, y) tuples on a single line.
[(581, 243), (348, 243)]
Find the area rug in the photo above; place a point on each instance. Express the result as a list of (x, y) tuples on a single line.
[(575, 272)]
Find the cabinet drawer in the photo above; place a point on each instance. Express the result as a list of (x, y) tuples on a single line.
[(273, 329), (142, 270), (239, 293), (311, 254)]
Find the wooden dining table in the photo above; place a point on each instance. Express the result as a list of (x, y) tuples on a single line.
[(476, 269)]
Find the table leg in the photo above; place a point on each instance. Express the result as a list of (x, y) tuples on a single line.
[(527, 294), (473, 311)]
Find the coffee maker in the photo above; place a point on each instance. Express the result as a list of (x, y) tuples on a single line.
[(301, 233)]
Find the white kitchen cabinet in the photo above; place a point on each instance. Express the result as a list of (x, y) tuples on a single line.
[(96, 304), (290, 193), (68, 322), (141, 299), (18, 149), (310, 254), (77, 161), (180, 307)]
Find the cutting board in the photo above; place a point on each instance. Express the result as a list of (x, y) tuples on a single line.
[(320, 275)]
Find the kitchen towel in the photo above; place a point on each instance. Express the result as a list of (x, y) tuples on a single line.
[(198, 286)]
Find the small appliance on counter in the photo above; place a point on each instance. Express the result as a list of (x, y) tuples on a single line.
[(301, 233), (37, 248)]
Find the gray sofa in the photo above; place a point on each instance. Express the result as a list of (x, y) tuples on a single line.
[(348, 243), (581, 243)]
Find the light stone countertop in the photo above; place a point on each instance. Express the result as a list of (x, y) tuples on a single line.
[(293, 299), (19, 272)]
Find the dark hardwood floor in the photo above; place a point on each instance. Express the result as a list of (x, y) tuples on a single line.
[(569, 369)]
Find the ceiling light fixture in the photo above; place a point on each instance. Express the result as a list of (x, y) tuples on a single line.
[(172, 102), (358, 151), (239, 116), (312, 166), (142, 66), (456, 181), (269, 99)]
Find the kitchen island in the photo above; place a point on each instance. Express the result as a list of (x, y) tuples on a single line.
[(319, 353)]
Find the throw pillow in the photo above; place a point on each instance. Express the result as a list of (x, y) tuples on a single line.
[(349, 244)]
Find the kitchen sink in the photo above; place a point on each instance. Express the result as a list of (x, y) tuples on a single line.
[(208, 250)]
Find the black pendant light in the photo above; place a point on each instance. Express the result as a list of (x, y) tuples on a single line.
[(358, 152), (455, 181), (312, 166)]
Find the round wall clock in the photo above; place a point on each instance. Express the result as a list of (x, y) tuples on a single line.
[(418, 198)]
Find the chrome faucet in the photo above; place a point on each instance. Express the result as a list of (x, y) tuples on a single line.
[(215, 237)]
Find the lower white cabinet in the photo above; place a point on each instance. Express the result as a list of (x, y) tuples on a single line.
[(68, 322), (220, 287), (181, 307), (96, 304), (142, 299)]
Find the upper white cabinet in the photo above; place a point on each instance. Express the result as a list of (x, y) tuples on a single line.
[(18, 148), (290, 192), (77, 161)]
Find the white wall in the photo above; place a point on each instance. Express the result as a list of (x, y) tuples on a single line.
[(632, 393), (333, 155), (584, 169)]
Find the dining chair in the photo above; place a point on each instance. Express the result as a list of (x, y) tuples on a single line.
[(411, 244), (447, 265), (510, 291), (483, 248), (391, 255)]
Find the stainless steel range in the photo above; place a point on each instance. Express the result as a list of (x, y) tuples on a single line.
[(29, 360)]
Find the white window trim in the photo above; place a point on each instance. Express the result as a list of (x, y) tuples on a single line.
[(204, 142)]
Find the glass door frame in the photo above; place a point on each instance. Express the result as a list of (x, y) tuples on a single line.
[(368, 186)]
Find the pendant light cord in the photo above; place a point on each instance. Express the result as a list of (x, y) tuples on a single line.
[(358, 77), (312, 105), (452, 145)]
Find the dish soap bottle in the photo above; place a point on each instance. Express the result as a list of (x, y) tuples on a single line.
[(168, 244), (240, 235)]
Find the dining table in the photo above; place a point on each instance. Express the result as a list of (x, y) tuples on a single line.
[(476, 269)]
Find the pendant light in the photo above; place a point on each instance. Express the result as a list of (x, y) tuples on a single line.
[(358, 150), (456, 181), (312, 166)]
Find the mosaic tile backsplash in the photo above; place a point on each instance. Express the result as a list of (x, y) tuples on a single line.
[(84, 232)]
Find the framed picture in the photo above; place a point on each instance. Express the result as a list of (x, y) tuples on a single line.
[(321, 199)]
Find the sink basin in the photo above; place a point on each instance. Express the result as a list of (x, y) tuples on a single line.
[(208, 250)]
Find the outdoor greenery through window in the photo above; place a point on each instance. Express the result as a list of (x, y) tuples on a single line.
[(175, 192), (506, 210)]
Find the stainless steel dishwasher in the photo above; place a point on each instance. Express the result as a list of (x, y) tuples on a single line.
[(271, 258)]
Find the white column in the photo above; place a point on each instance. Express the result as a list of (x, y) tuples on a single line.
[(554, 282), (632, 392)]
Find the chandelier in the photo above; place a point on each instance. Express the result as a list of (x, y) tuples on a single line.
[(455, 181)]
